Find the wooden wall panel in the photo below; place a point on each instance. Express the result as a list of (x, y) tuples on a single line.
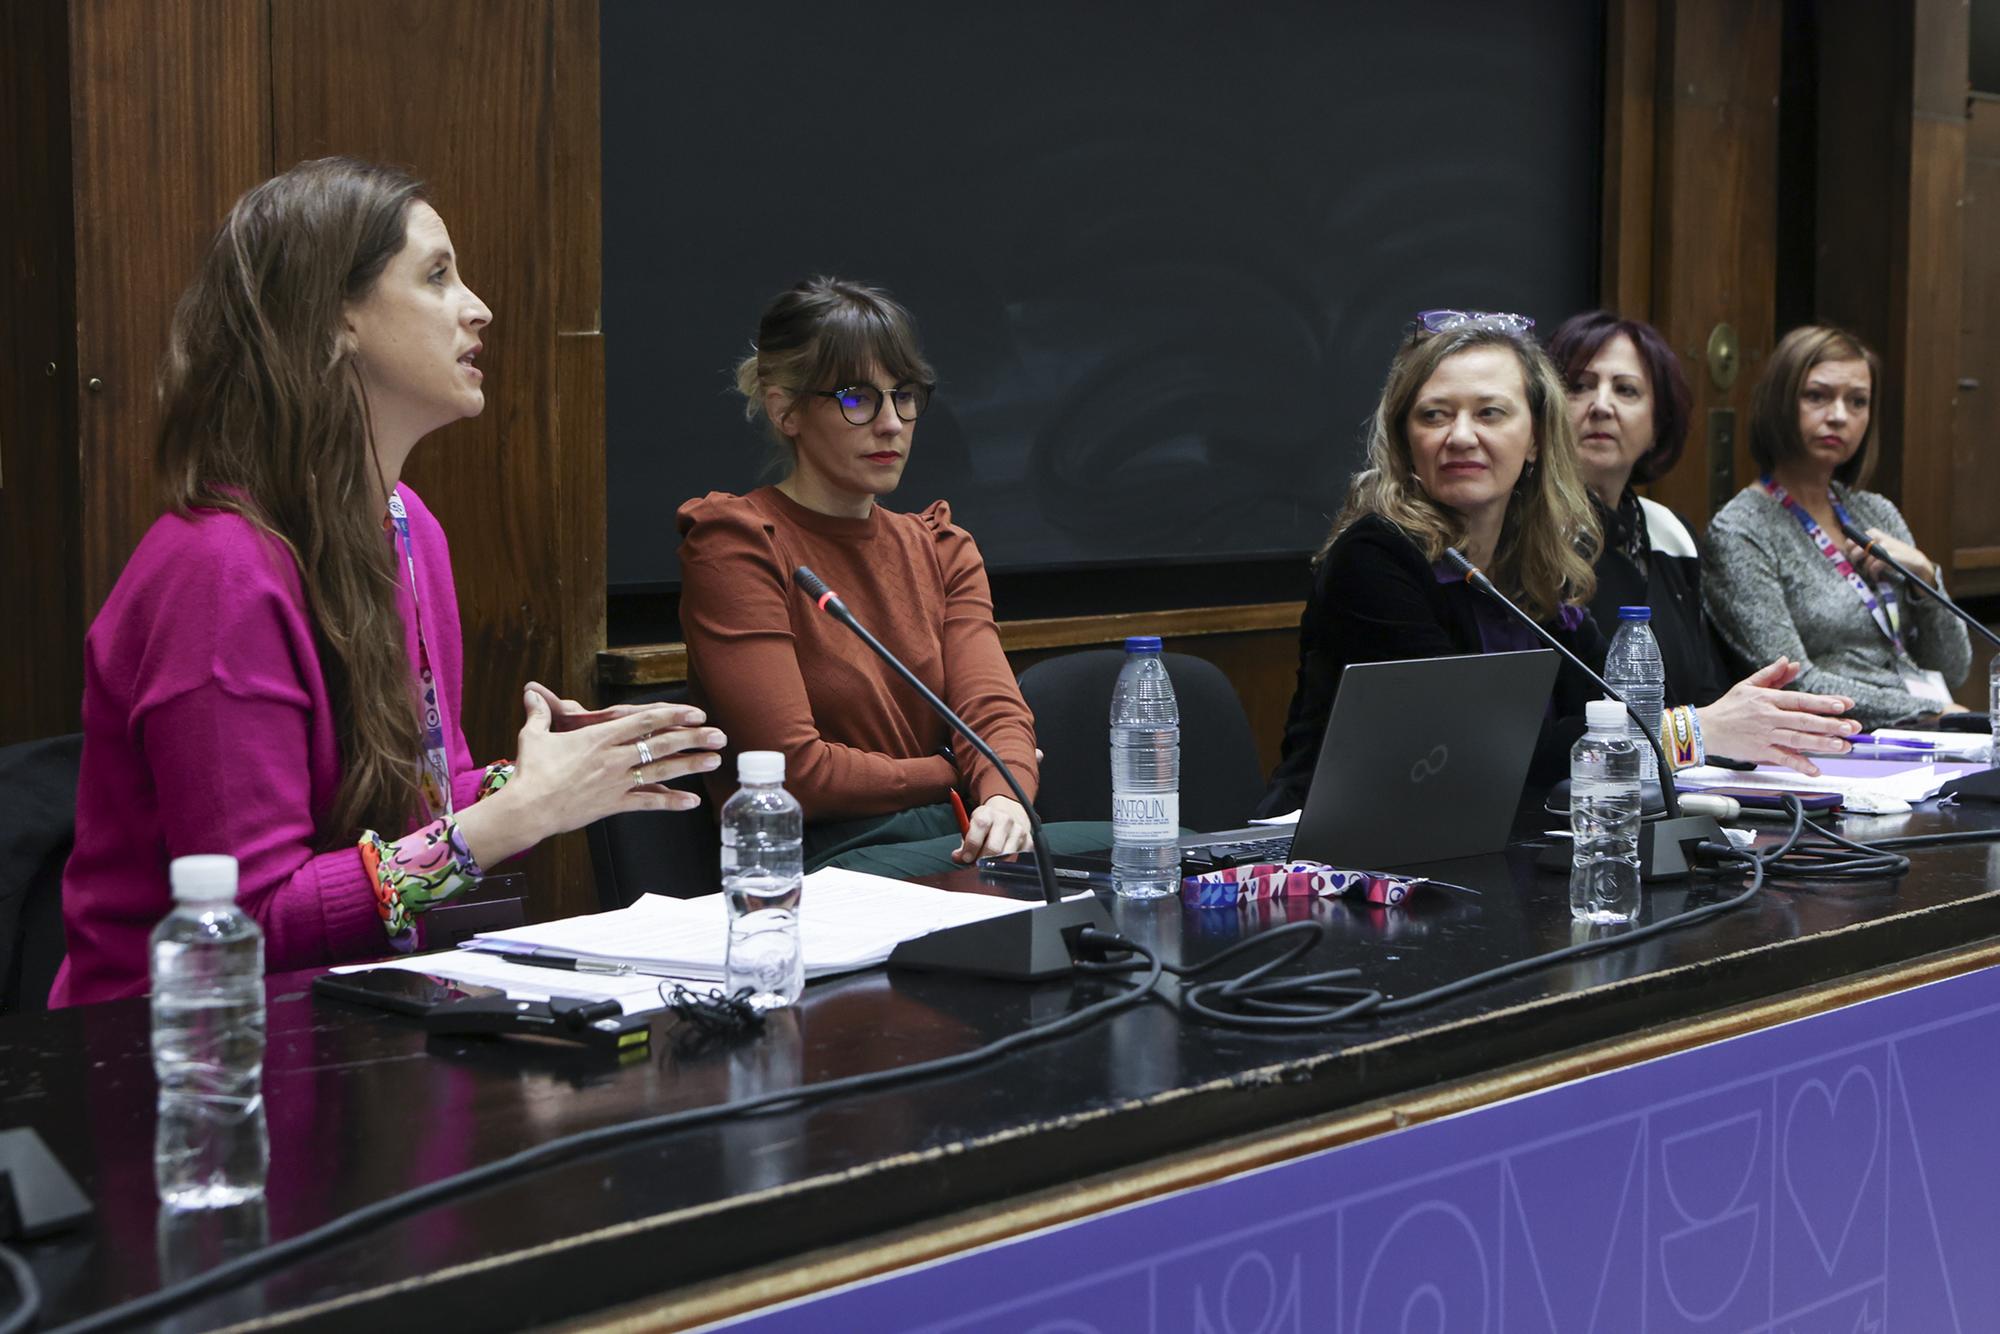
[(1893, 81), (579, 397), (1715, 215), (169, 124), (40, 557), (470, 95), (1975, 518), (1631, 92), (1931, 297)]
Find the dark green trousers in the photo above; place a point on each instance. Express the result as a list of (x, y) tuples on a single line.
[(920, 842)]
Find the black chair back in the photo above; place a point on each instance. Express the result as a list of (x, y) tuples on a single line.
[(1221, 776), (676, 853), (37, 830)]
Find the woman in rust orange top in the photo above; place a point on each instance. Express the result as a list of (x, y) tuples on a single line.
[(838, 376)]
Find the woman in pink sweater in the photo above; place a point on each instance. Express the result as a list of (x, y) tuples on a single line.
[(277, 673)]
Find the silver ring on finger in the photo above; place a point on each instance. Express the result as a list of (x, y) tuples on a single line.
[(645, 753)]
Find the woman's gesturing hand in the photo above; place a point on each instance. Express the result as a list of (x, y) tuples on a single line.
[(574, 766), (998, 827), (1760, 720)]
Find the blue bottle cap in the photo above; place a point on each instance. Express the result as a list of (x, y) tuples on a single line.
[(1142, 644), (1635, 613)]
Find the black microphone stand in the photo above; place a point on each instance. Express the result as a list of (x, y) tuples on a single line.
[(1983, 786), (1024, 946), (1665, 846), (1881, 553)]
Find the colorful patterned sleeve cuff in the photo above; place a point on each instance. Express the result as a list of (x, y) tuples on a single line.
[(498, 775), (1680, 737), (416, 872)]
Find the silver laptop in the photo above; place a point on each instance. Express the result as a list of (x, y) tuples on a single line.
[(1423, 760)]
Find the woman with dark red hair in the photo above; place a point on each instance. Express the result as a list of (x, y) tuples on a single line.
[(1629, 402)]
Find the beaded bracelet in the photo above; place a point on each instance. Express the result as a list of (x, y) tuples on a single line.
[(1680, 730)]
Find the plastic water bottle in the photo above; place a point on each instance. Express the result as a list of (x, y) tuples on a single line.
[(1604, 818), (1993, 707), (211, 1147), (1634, 669), (763, 875), (1145, 775)]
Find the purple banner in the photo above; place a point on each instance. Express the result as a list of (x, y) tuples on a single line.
[(1837, 1175)]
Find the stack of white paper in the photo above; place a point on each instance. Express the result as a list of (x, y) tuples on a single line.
[(847, 921)]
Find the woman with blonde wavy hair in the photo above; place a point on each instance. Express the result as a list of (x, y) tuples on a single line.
[(1472, 446)]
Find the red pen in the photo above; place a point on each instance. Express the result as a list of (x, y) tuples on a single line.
[(958, 808)]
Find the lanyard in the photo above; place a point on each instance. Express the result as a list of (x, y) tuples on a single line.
[(1885, 610), (436, 775)]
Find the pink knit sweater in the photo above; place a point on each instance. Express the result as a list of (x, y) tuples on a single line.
[(207, 728)]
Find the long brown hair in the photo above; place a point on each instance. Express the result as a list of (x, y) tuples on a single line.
[(264, 416), (1550, 537)]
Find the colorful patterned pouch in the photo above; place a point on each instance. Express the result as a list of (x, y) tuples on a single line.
[(1275, 880)]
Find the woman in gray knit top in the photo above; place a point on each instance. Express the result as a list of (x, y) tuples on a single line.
[(1779, 576)]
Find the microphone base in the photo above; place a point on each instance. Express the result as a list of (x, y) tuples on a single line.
[(1666, 847), (1026, 946)]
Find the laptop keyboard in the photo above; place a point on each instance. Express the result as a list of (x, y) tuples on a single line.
[(1246, 852)]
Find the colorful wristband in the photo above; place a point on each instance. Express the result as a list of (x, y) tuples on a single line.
[(415, 873), (1680, 733)]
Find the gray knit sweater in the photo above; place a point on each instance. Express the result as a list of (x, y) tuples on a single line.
[(1769, 591)]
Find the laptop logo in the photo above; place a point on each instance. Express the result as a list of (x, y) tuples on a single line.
[(1431, 765)]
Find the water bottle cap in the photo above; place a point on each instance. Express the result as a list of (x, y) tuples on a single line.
[(1635, 613), (1605, 715), (202, 879), (1142, 644), (760, 766)]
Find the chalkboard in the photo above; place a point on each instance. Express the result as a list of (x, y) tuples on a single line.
[(1160, 253)]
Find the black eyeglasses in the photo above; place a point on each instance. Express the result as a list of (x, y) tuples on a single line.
[(862, 403), (1485, 321)]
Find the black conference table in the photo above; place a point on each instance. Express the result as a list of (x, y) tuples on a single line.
[(713, 1220)]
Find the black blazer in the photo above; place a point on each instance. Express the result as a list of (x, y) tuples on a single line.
[(1375, 598)]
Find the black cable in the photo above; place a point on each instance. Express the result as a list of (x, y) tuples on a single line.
[(25, 1287), (280, 1254), (1259, 999), (1267, 1001)]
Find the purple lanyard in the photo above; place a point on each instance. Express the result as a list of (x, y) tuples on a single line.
[(436, 775), (1884, 610)]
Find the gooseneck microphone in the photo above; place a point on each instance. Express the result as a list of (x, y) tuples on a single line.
[(1664, 845), (1477, 578), (1008, 946), (1875, 548)]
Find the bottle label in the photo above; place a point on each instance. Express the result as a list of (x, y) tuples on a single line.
[(1146, 815)]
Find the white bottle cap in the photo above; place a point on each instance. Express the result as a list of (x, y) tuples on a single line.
[(1605, 715), (760, 766), (203, 879)]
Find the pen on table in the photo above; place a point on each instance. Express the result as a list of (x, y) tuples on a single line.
[(958, 809), (1863, 745), (571, 965)]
